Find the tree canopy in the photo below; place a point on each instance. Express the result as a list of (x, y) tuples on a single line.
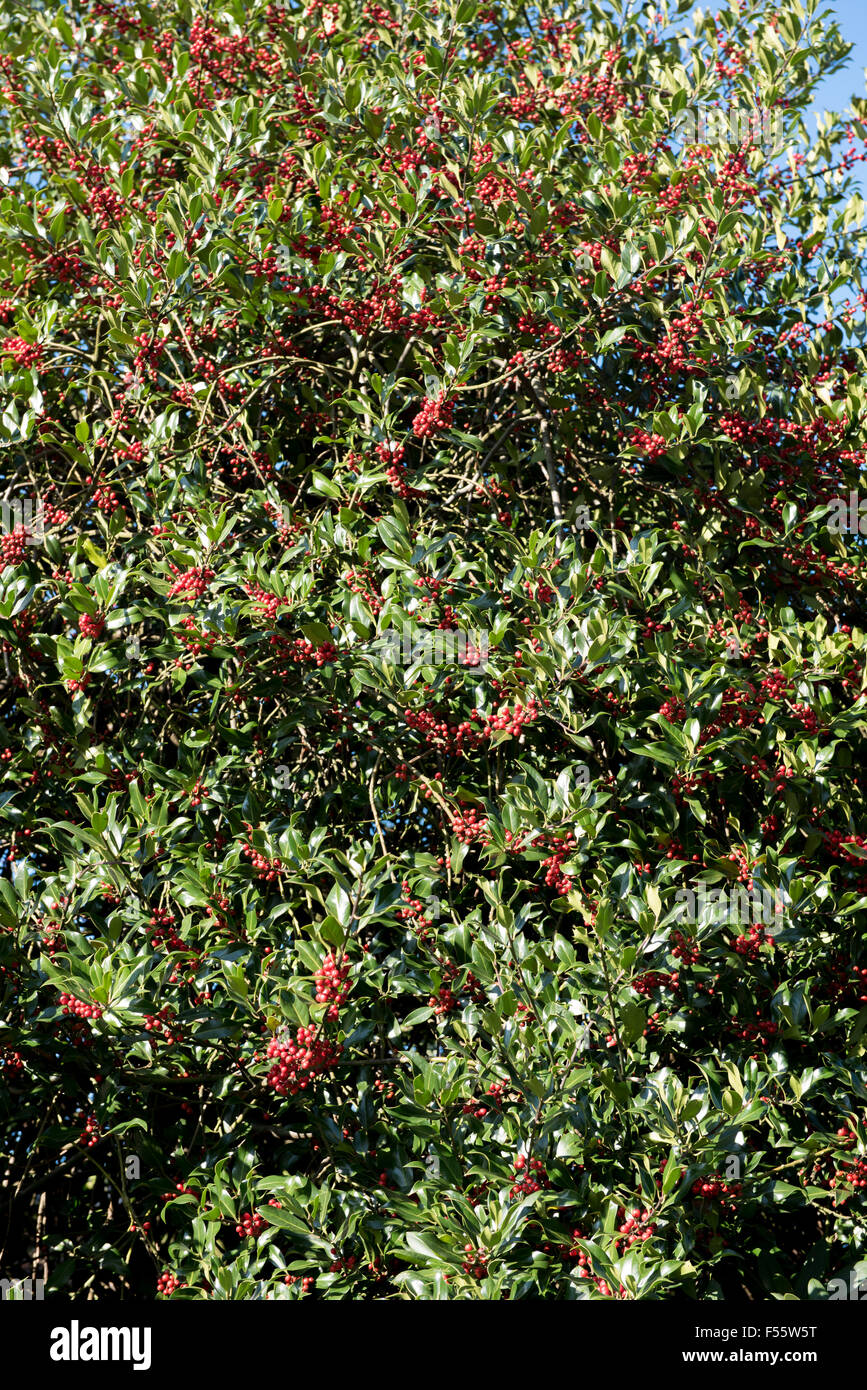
[(421, 612)]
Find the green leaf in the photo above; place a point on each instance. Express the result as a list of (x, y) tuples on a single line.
[(431, 1248)]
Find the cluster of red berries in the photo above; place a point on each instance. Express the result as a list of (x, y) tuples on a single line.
[(714, 1188), (89, 1136), (302, 652), (267, 605), (298, 1062), (11, 1062), (361, 582), (331, 986), (762, 1031), (251, 1225), (105, 498), (636, 1227), (685, 786), (25, 354), (162, 1024), (738, 857), (167, 1283), (267, 869), (13, 547), (512, 719), (471, 655), (806, 716), (192, 583), (451, 737), (134, 451), (554, 876), (70, 1005), (771, 828), (776, 685), (470, 825), (308, 1283), (673, 709), (91, 626), (496, 1091), (396, 475), (197, 642), (414, 913), (434, 416), (198, 794), (750, 943), (286, 528), (476, 1262), (655, 979), (781, 776), (585, 1268), (475, 1108), (835, 841), (161, 930), (853, 1175), (343, 1263), (536, 1177), (685, 949), (181, 1190), (390, 452), (392, 455), (651, 445), (445, 1002)]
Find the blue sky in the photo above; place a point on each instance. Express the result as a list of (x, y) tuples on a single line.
[(836, 92)]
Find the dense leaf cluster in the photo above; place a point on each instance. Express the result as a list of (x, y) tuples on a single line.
[(343, 966)]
